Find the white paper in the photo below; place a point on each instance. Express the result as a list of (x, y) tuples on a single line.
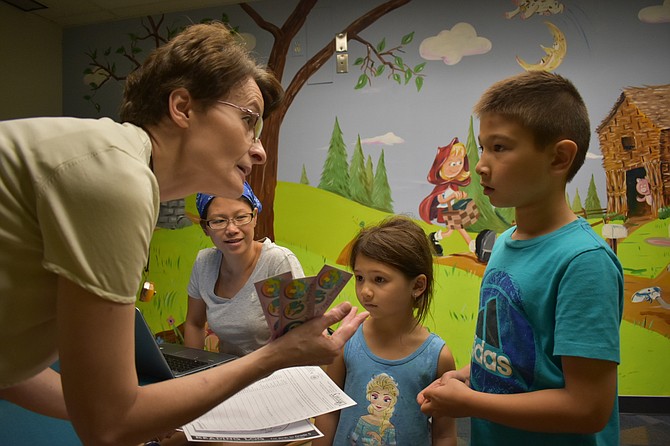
[(301, 430), (287, 396)]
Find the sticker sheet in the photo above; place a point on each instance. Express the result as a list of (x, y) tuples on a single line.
[(268, 291), (289, 302)]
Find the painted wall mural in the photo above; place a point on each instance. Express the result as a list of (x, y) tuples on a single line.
[(347, 149)]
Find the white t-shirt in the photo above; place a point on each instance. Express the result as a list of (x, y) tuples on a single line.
[(77, 199), (239, 322)]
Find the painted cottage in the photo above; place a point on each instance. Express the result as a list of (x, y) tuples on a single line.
[(635, 143)]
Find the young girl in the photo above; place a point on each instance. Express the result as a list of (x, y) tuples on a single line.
[(391, 356)]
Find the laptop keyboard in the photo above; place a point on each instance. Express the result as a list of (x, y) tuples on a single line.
[(179, 364)]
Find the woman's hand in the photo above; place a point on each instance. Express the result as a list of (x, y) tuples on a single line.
[(310, 343)]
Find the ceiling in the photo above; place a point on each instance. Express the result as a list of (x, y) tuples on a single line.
[(67, 13)]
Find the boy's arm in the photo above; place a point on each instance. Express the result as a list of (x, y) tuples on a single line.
[(443, 427), (462, 374), (584, 405), (327, 423)]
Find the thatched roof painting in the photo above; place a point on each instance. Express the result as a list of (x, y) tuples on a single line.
[(653, 101)]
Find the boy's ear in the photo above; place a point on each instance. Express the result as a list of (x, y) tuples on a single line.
[(565, 151), (180, 105)]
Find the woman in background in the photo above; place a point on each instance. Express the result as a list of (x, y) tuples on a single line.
[(221, 290)]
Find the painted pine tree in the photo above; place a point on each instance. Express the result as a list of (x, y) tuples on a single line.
[(577, 207), (592, 203), (369, 177), (303, 177), (335, 173), (381, 191), (357, 185)]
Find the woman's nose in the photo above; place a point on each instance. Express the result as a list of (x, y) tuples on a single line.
[(231, 229), (257, 153)]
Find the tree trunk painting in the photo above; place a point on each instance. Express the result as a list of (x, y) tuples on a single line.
[(264, 178)]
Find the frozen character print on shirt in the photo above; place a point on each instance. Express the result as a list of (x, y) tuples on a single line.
[(376, 428)]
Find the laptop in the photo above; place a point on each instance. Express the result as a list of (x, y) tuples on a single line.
[(167, 361)]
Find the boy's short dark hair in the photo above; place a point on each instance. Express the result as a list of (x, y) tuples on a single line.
[(547, 104)]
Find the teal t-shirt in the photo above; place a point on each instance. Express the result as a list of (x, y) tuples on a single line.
[(557, 295)]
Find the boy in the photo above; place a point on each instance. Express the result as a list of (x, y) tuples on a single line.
[(544, 361)]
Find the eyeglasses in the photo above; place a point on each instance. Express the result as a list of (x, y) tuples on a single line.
[(255, 122), (222, 223)]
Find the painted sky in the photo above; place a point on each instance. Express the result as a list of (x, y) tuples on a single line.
[(465, 46)]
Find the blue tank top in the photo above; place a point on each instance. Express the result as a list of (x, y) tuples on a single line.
[(386, 411)]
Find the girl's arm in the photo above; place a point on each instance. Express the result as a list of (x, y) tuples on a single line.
[(194, 327), (327, 423), (444, 427)]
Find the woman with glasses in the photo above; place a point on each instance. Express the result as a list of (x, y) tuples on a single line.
[(79, 200), (221, 290)]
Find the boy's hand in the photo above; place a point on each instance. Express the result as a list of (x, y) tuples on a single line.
[(441, 390), (445, 397)]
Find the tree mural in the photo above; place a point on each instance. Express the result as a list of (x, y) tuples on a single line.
[(303, 176), (592, 202), (358, 187), (335, 173), (381, 191), (369, 177), (577, 207), (356, 180), (264, 178)]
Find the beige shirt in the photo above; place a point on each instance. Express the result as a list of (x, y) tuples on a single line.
[(77, 199)]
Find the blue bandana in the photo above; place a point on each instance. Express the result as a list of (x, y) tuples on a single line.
[(202, 201)]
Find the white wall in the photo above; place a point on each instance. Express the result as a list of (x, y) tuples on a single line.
[(31, 81)]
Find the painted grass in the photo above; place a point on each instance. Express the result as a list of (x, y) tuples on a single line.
[(316, 225), (645, 357), (641, 258)]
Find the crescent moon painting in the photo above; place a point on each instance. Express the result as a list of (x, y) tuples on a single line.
[(553, 55)]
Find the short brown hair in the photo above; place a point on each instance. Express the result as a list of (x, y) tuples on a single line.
[(399, 242), (547, 104), (205, 59)]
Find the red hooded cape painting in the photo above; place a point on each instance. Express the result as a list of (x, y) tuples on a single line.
[(450, 170)]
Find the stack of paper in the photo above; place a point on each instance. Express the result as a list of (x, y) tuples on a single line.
[(276, 408)]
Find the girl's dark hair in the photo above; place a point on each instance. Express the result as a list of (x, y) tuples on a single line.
[(205, 59), (399, 242)]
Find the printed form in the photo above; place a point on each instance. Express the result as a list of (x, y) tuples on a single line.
[(287, 396)]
